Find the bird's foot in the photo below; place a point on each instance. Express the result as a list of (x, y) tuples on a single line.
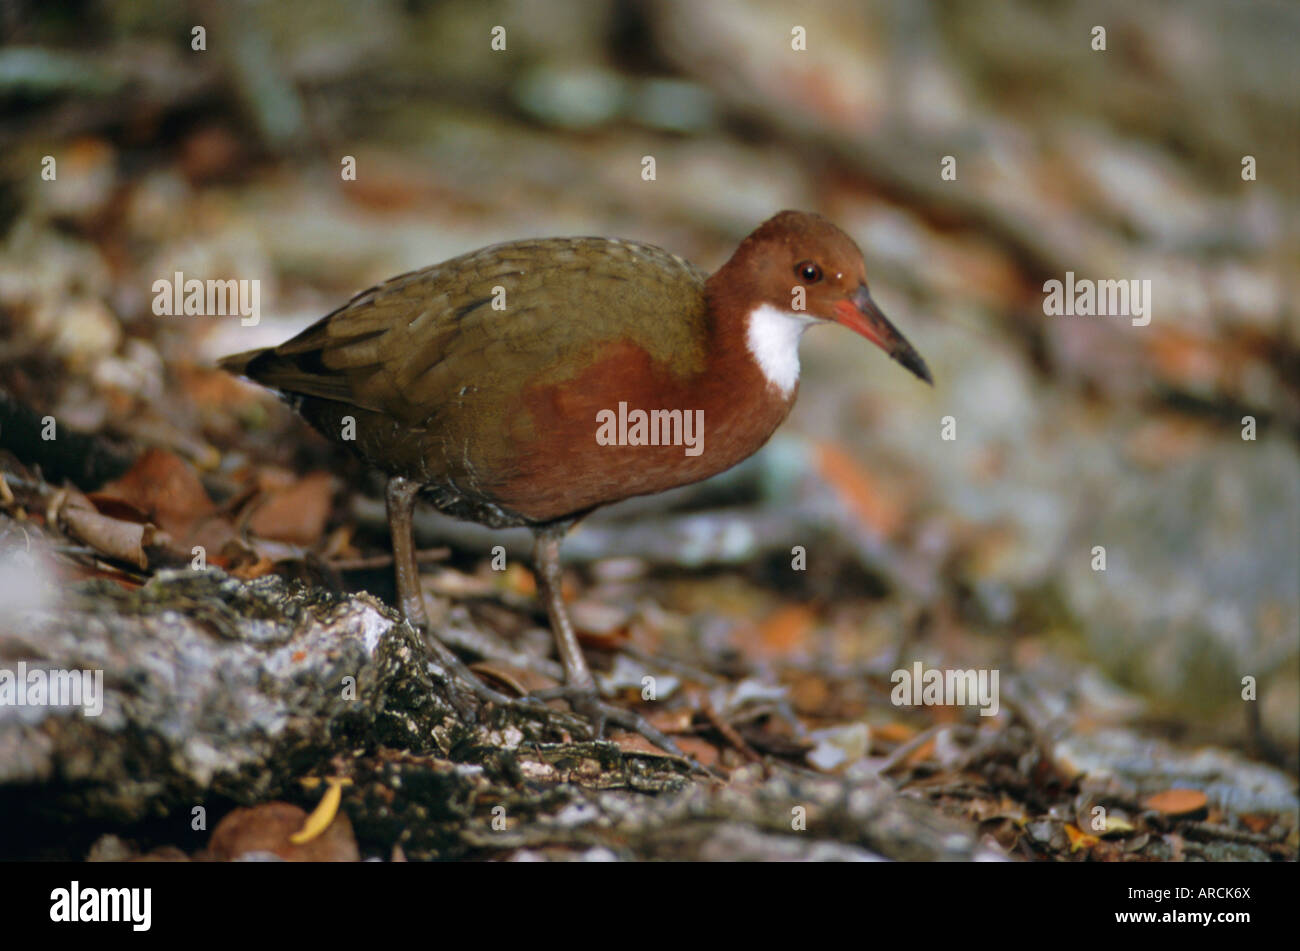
[(462, 677), (586, 702), (588, 707)]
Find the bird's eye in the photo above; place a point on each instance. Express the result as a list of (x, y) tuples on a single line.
[(808, 272)]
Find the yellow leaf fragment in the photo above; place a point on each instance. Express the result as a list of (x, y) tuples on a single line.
[(324, 812)]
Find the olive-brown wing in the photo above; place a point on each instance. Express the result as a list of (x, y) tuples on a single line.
[(488, 322)]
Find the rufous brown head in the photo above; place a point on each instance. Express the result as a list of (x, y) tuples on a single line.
[(801, 264)]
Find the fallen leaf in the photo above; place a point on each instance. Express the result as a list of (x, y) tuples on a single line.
[(519, 580), (322, 817), (839, 746), (785, 630), (1080, 840), (598, 622), (111, 537), (1176, 802), (296, 513), (635, 743), (1257, 823), (263, 566), (268, 827), (114, 507), (519, 680), (1117, 825), (810, 694), (893, 732), (166, 488), (701, 750), (673, 721)]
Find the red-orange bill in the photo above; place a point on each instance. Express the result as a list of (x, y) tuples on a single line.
[(860, 314)]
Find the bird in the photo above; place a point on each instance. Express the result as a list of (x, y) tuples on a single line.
[(531, 382)]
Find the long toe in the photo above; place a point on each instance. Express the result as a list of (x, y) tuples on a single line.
[(586, 703)]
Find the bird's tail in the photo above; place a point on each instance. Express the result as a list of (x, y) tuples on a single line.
[(238, 362)]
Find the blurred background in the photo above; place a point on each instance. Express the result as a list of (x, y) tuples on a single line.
[(1071, 432)]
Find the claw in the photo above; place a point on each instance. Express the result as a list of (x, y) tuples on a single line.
[(588, 705)]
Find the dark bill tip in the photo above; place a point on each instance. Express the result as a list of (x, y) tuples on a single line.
[(867, 319), (910, 359)]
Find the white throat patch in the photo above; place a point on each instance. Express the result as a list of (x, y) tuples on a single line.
[(772, 336)]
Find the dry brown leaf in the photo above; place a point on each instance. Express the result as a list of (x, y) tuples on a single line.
[(166, 488), (519, 679), (296, 513), (114, 507), (810, 694), (892, 732), (673, 721), (519, 580), (247, 572), (701, 750), (1257, 823), (599, 622), (635, 743), (114, 538), (267, 828), (785, 630), (1176, 802)]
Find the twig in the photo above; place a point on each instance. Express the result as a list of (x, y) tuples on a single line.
[(895, 758), (1208, 830), (383, 561), (679, 667), (729, 732)]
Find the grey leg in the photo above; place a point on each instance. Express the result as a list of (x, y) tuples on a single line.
[(400, 497), (546, 560)]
